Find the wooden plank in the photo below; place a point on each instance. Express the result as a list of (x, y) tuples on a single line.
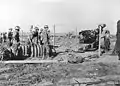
[(54, 36), (33, 61), (99, 50), (76, 34)]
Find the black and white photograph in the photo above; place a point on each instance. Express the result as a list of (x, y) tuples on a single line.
[(59, 43)]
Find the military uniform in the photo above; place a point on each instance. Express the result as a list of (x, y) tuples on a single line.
[(10, 35), (33, 37), (30, 34), (4, 37), (107, 41), (45, 40), (16, 40), (16, 37), (40, 36)]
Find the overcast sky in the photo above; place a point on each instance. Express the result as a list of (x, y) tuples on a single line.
[(66, 14)]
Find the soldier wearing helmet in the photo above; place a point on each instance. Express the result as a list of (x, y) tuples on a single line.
[(16, 34), (10, 35), (45, 41), (35, 35), (4, 36), (16, 41)]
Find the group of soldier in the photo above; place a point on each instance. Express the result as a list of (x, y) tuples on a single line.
[(41, 37), (10, 36), (35, 36)]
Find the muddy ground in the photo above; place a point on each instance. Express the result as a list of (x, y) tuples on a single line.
[(83, 69)]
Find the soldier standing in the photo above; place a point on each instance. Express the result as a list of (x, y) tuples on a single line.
[(45, 40), (96, 43), (48, 32), (30, 35), (107, 40), (40, 36), (16, 40), (16, 34), (10, 35), (4, 37), (118, 39), (35, 35)]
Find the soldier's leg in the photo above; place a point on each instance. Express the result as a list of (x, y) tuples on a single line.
[(47, 51), (109, 44), (37, 39), (50, 51), (44, 52)]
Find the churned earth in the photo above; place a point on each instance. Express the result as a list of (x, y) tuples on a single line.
[(82, 69)]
